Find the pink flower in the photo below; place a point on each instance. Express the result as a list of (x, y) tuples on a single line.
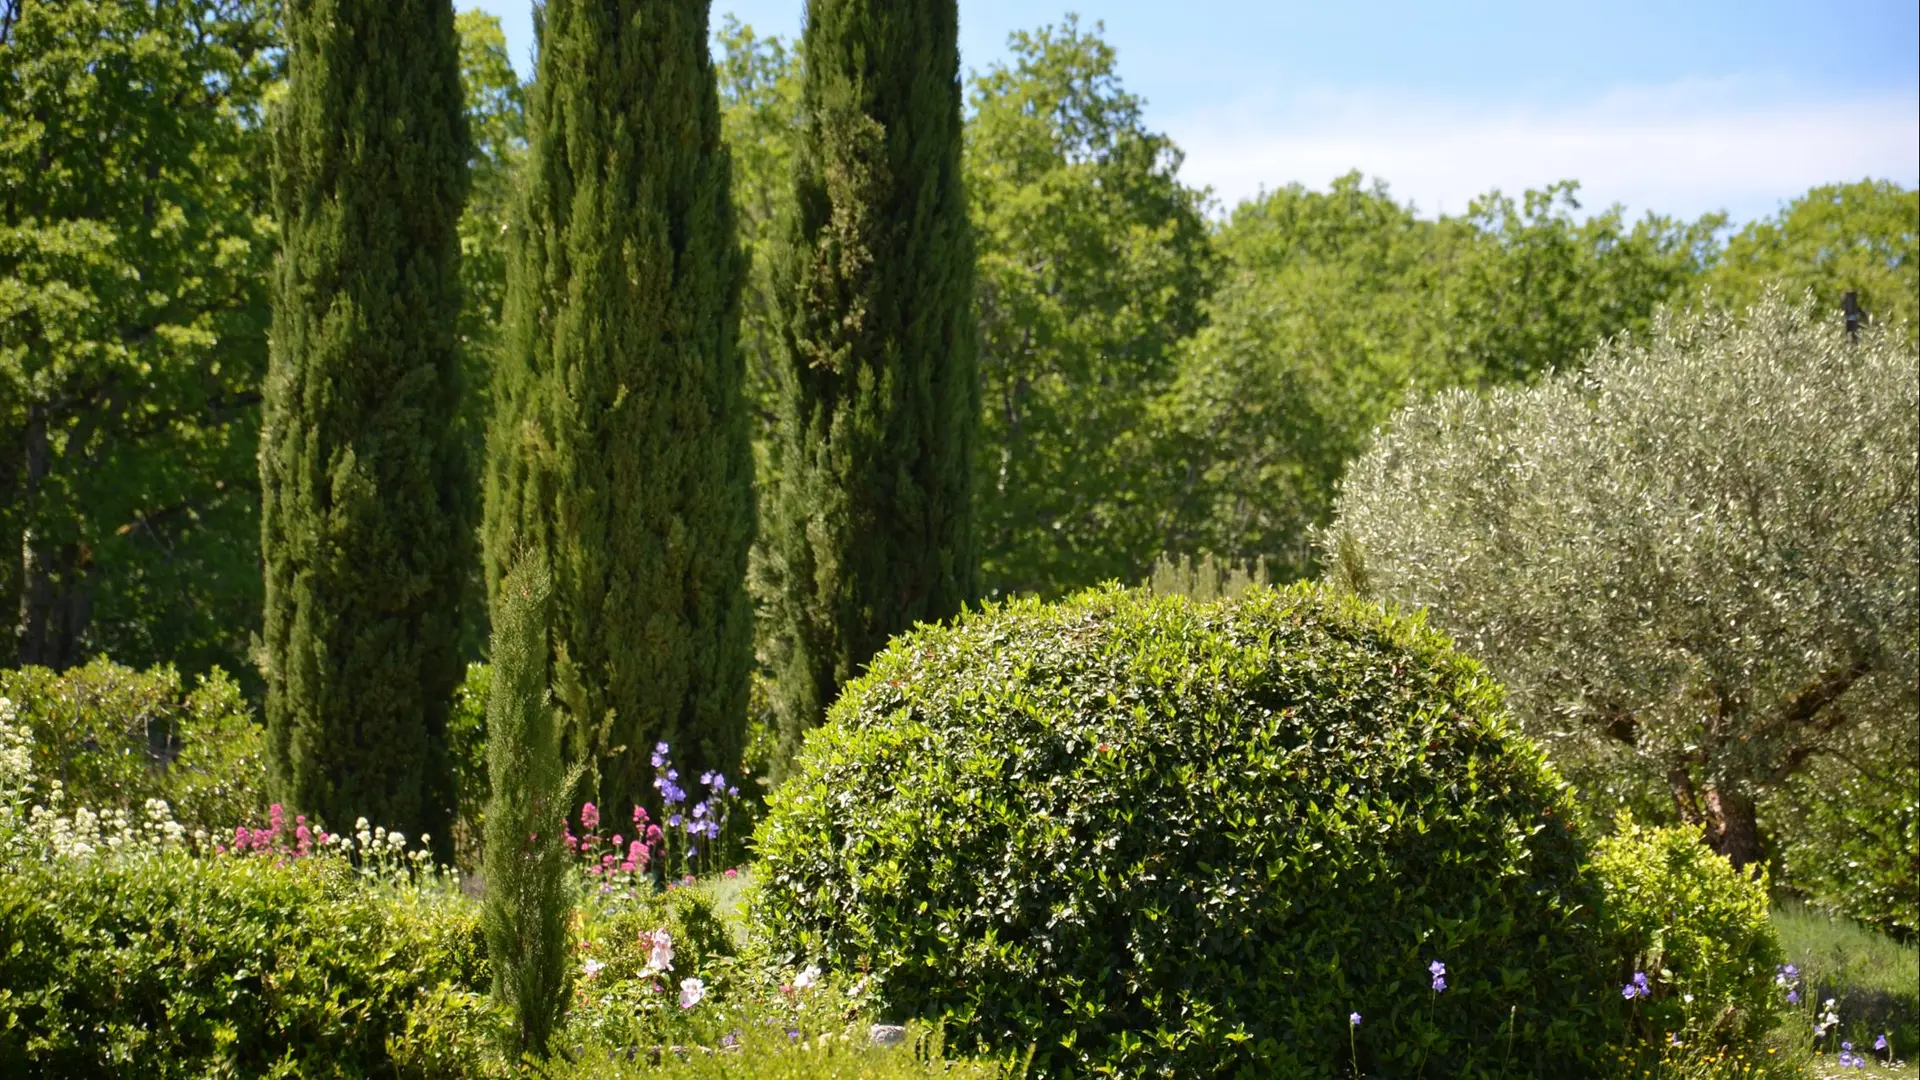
[(589, 817), (731, 872)]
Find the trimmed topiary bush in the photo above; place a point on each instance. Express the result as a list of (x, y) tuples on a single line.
[(1155, 837), (175, 966)]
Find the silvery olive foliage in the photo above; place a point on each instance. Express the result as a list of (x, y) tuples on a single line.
[(1695, 558)]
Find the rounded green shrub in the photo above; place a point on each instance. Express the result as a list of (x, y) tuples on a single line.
[(1154, 837), (1695, 946), (175, 966)]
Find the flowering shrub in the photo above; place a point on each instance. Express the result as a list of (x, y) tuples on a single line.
[(652, 969), (1155, 837), (113, 738), (1698, 955)]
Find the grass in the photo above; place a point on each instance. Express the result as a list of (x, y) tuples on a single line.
[(1873, 980)]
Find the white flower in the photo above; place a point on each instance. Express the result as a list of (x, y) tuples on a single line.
[(591, 967), (807, 978), (661, 958), (691, 991)]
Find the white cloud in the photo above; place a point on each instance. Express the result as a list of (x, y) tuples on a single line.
[(1684, 149)]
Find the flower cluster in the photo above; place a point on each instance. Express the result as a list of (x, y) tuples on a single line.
[(1439, 972), (1849, 1059), (616, 856), (276, 840), (84, 833), (1828, 1019), (1787, 976), (701, 822), (1638, 988), (16, 757)]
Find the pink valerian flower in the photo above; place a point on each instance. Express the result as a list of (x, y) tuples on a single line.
[(589, 817)]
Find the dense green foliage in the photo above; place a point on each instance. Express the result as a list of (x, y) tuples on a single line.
[(1695, 563), (1339, 304), (1849, 837), (528, 898), (134, 245), (1094, 261), (619, 448), (1695, 928), (174, 966), (869, 522), (762, 1053), (365, 501), (1161, 837), (1862, 237), (113, 737)]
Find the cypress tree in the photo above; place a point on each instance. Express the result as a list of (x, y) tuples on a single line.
[(870, 511), (365, 507), (619, 447), (527, 907)]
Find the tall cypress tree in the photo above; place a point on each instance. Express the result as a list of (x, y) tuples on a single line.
[(870, 510), (619, 448), (365, 528)]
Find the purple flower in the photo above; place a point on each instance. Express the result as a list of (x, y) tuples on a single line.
[(1638, 988), (1439, 972), (1880, 1043), (1793, 997), (733, 792), (1353, 1019)]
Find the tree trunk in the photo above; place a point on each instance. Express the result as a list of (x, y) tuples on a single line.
[(54, 607), (1732, 827)]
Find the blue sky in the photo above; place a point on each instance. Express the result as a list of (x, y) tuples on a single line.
[(1680, 108)]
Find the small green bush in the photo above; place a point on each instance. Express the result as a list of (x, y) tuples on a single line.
[(174, 966), (1851, 841), (1698, 930), (1155, 837), (114, 737)]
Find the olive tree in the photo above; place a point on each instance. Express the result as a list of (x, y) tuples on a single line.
[(1695, 558)]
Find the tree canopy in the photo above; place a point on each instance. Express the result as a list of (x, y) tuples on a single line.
[(1696, 559), (134, 245)]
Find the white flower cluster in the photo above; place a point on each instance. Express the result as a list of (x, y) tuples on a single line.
[(16, 757), (84, 833)]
